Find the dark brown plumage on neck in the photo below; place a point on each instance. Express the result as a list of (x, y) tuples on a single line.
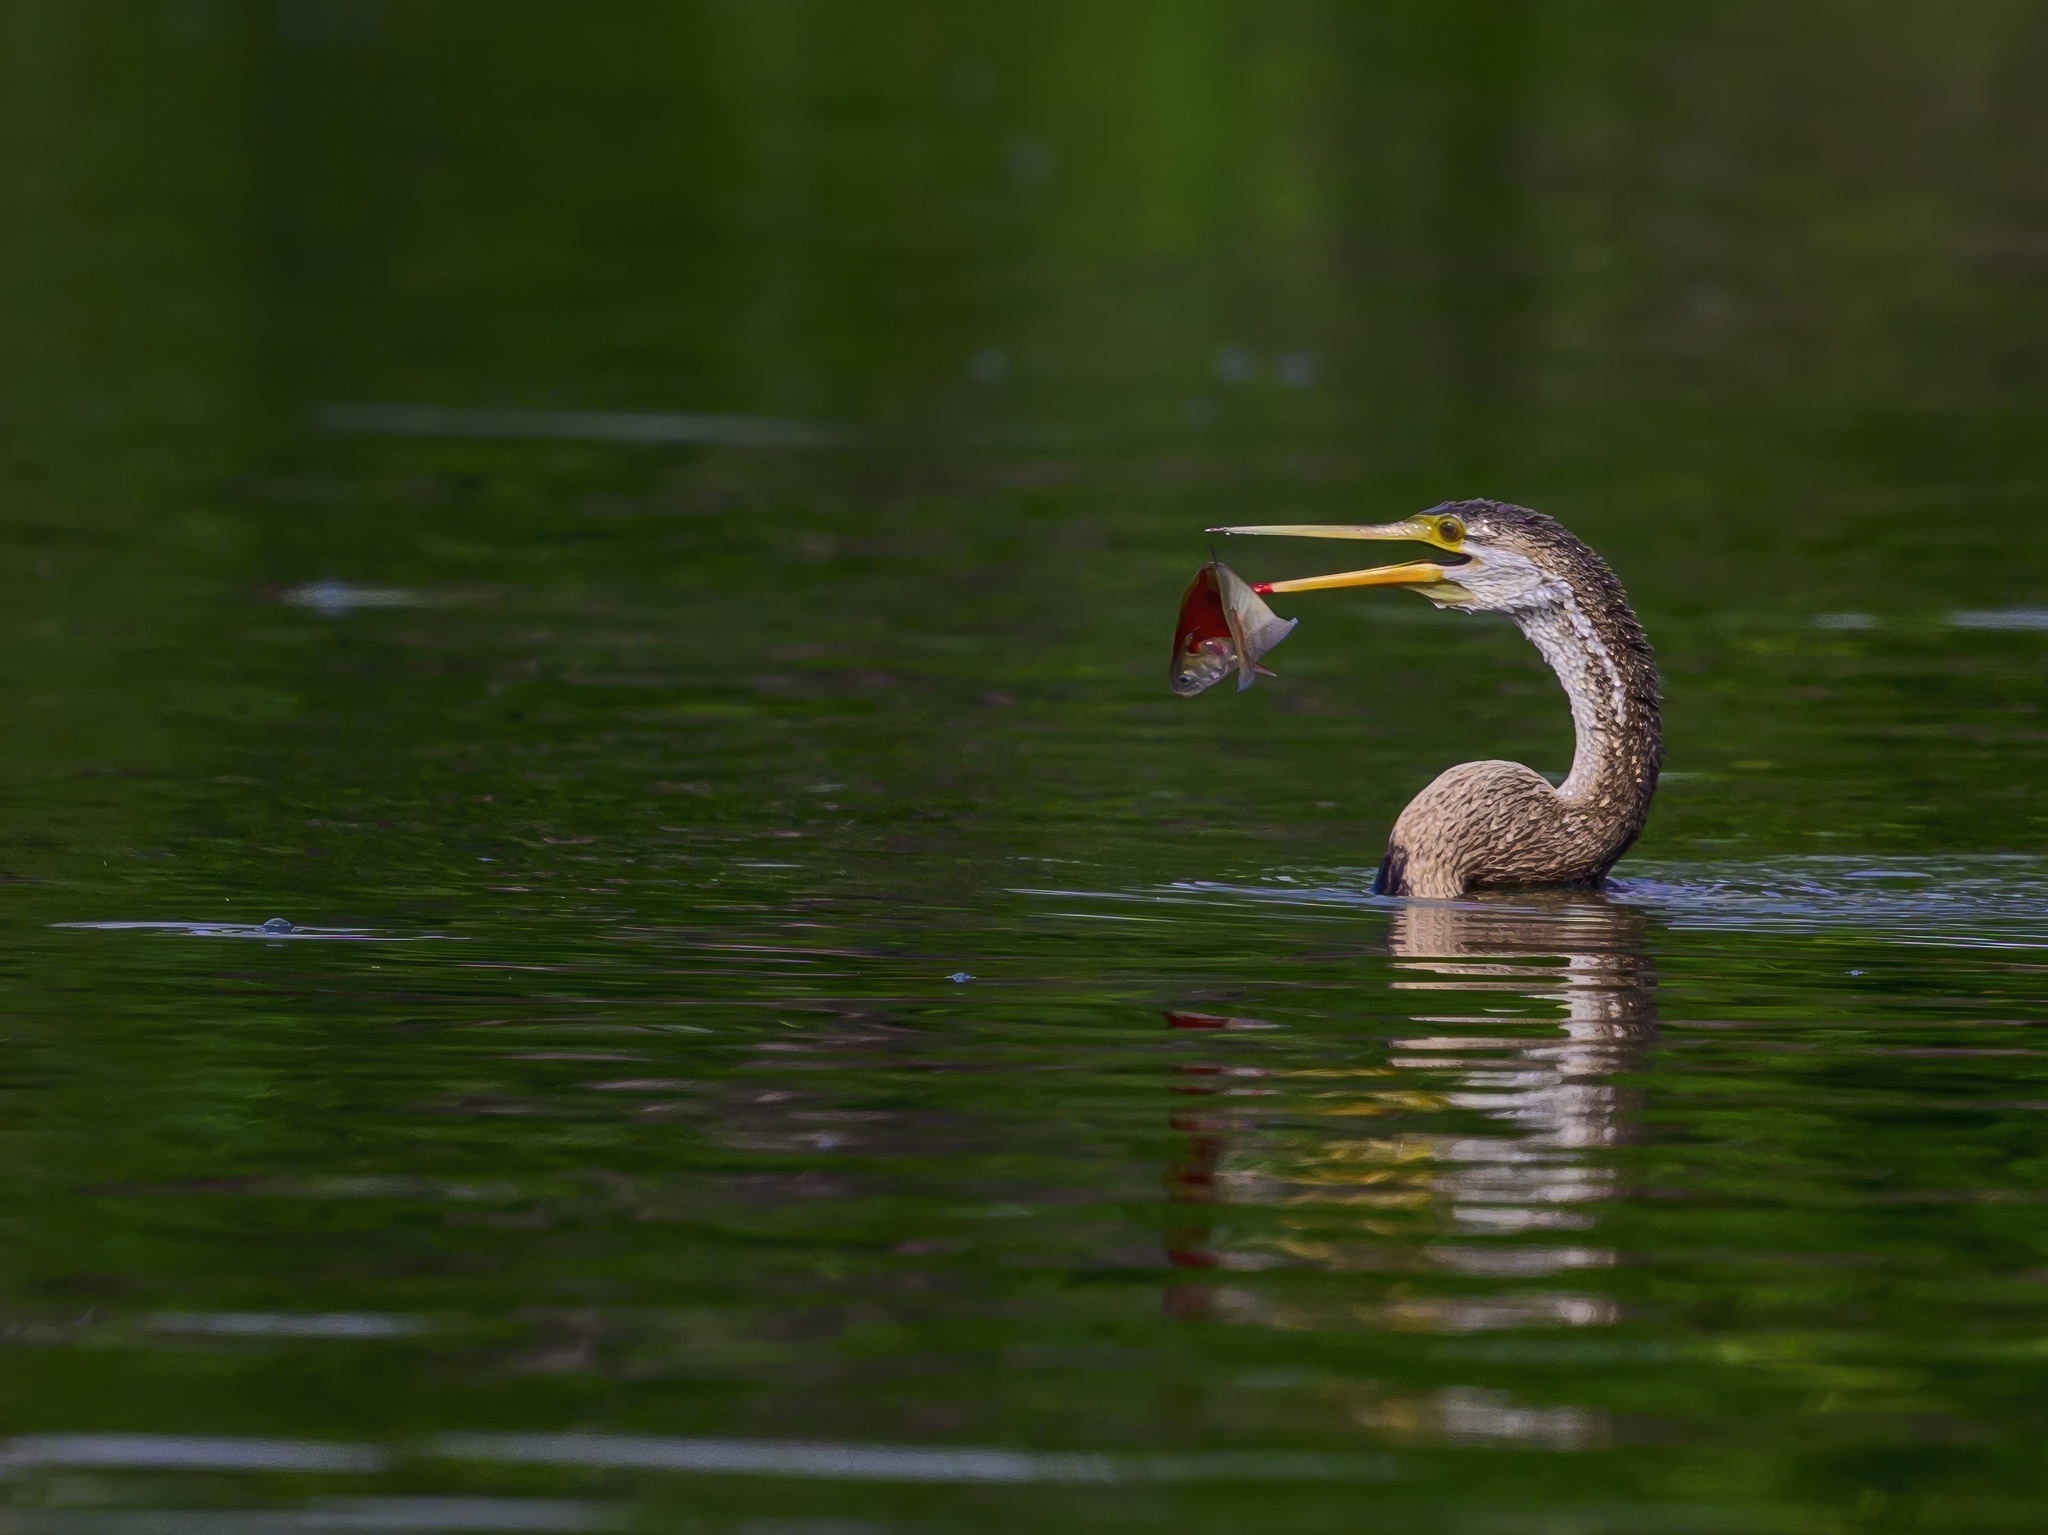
[(1489, 824)]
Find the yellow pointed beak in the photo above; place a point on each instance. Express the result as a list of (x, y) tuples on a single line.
[(1413, 573)]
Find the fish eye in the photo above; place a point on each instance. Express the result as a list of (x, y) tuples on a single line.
[(1450, 530)]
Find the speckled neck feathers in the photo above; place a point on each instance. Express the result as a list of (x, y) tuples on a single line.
[(1498, 823), (1599, 651)]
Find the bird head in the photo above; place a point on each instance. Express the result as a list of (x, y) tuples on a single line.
[(1490, 557)]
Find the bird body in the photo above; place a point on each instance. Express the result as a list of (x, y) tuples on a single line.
[(1490, 824)]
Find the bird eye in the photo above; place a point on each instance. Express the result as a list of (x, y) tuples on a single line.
[(1450, 530)]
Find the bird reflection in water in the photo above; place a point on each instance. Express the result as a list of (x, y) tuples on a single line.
[(1491, 1167)]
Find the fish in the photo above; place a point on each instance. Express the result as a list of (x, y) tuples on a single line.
[(1224, 627)]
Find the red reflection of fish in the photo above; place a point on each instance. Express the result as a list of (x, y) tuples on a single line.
[(1224, 626), (1214, 1021)]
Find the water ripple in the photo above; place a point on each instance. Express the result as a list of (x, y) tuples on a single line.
[(1960, 901), (1989, 900), (270, 931)]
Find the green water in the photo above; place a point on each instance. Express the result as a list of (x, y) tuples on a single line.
[(790, 1027)]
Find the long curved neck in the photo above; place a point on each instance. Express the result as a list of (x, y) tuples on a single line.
[(1601, 655)]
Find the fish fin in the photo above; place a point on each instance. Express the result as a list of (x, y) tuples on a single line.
[(1266, 632), (1264, 671)]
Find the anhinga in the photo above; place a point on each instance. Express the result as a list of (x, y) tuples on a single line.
[(1498, 823)]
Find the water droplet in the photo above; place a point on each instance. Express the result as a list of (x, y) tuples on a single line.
[(989, 366), (1297, 370), (959, 977), (1031, 161), (277, 925)]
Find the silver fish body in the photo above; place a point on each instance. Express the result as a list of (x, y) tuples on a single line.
[(1224, 626)]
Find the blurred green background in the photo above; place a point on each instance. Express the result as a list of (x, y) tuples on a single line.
[(693, 749), (1750, 297)]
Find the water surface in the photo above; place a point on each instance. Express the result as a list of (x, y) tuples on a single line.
[(650, 545)]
